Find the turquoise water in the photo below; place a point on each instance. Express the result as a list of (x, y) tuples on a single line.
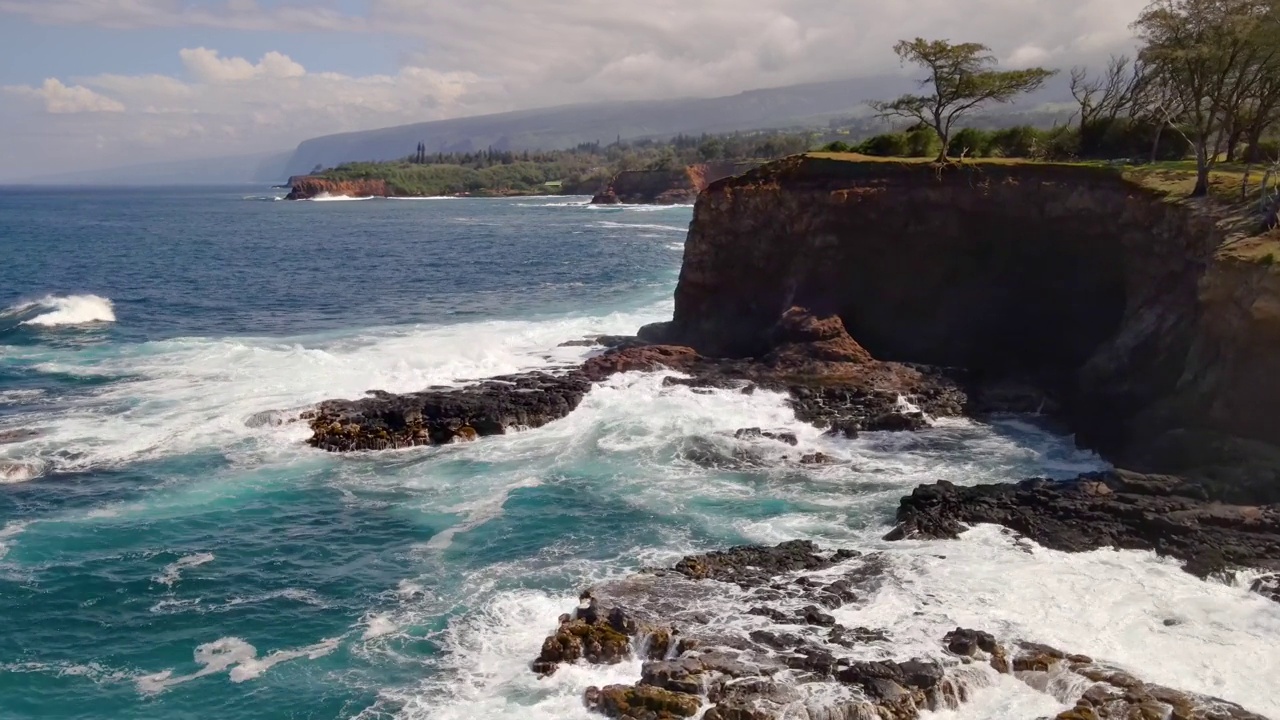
[(165, 554)]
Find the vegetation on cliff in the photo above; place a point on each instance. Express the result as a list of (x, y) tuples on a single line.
[(961, 80), (1206, 83), (585, 169)]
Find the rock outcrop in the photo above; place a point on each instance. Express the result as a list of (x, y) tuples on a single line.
[(1136, 315), (305, 187), (440, 416), (1167, 515), (747, 634), (678, 186), (832, 381)]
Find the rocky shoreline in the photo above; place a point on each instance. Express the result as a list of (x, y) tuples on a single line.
[(833, 383), (749, 634), (1112, 335)]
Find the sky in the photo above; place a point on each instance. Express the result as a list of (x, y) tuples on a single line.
[(88, 84)]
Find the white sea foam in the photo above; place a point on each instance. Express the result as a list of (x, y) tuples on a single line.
[(20, 396), (192, 395), (487, 667), (236, 656), (640, 208), (643, 226), (1108, 604), (59, 310), (568, 203), (326, 197), (409, 590), (94, 672), (13, 472), (12, 529), (1111, 605), (478, 512), (377, 626), (173, 571)]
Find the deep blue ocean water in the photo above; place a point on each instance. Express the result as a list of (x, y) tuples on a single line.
[(166, 554)]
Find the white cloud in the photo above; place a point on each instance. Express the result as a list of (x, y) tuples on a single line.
[(228, 105), (208, 66), (60, 99)]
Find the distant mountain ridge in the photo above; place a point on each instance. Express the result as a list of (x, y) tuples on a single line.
[(568, 125)]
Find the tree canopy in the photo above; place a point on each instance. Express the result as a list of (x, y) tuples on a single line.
[(962, 78), (1215, 64)]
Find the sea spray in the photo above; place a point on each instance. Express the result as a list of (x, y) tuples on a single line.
[(57, 310)]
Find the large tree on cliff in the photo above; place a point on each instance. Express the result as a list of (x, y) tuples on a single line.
[(962, 78), (1216, 61)]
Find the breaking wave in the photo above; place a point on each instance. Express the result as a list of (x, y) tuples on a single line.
[(58, 310)]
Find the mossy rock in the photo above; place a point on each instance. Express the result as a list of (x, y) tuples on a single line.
[(600, 643), (578, 640), (1035, 662), (642, 701), (659, 644), (1079, 712)]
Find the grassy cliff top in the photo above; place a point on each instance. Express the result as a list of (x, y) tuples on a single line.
[(1234, 191)]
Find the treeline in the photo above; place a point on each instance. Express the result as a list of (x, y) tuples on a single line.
[(1205, 82), (1098, 140), (586, 168)]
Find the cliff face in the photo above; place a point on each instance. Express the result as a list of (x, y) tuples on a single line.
[(666, 187), (1163, 349), (305, 187)]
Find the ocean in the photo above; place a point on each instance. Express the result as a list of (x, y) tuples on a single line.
[(168, 551)]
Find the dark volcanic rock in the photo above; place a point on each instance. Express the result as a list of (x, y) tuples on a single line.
[(1267, 586), (1109, 509), (831, 380), (1113, 694), (760, 662), (435, 417), (779, 435), (753, 565), (646, 358)]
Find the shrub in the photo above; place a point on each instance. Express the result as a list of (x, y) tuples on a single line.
[(1022, 141), (969, 142), (1267, 151), (1126, 138), (1061, 143), (922, 143), (886, 145), (839, 146)]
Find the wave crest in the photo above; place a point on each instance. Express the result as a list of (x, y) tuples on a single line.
[(58, 310)]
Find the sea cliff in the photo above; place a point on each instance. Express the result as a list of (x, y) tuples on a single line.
[(1153, 322), (676, 186), (305, 187)]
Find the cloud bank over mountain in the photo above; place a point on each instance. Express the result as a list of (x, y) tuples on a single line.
[(448, 60)]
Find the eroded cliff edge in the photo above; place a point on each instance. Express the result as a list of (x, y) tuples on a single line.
[(1153, 322)]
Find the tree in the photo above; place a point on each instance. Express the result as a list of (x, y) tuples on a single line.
[(711, 149), (961, 79), (1210, 57), (1105, 97)]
